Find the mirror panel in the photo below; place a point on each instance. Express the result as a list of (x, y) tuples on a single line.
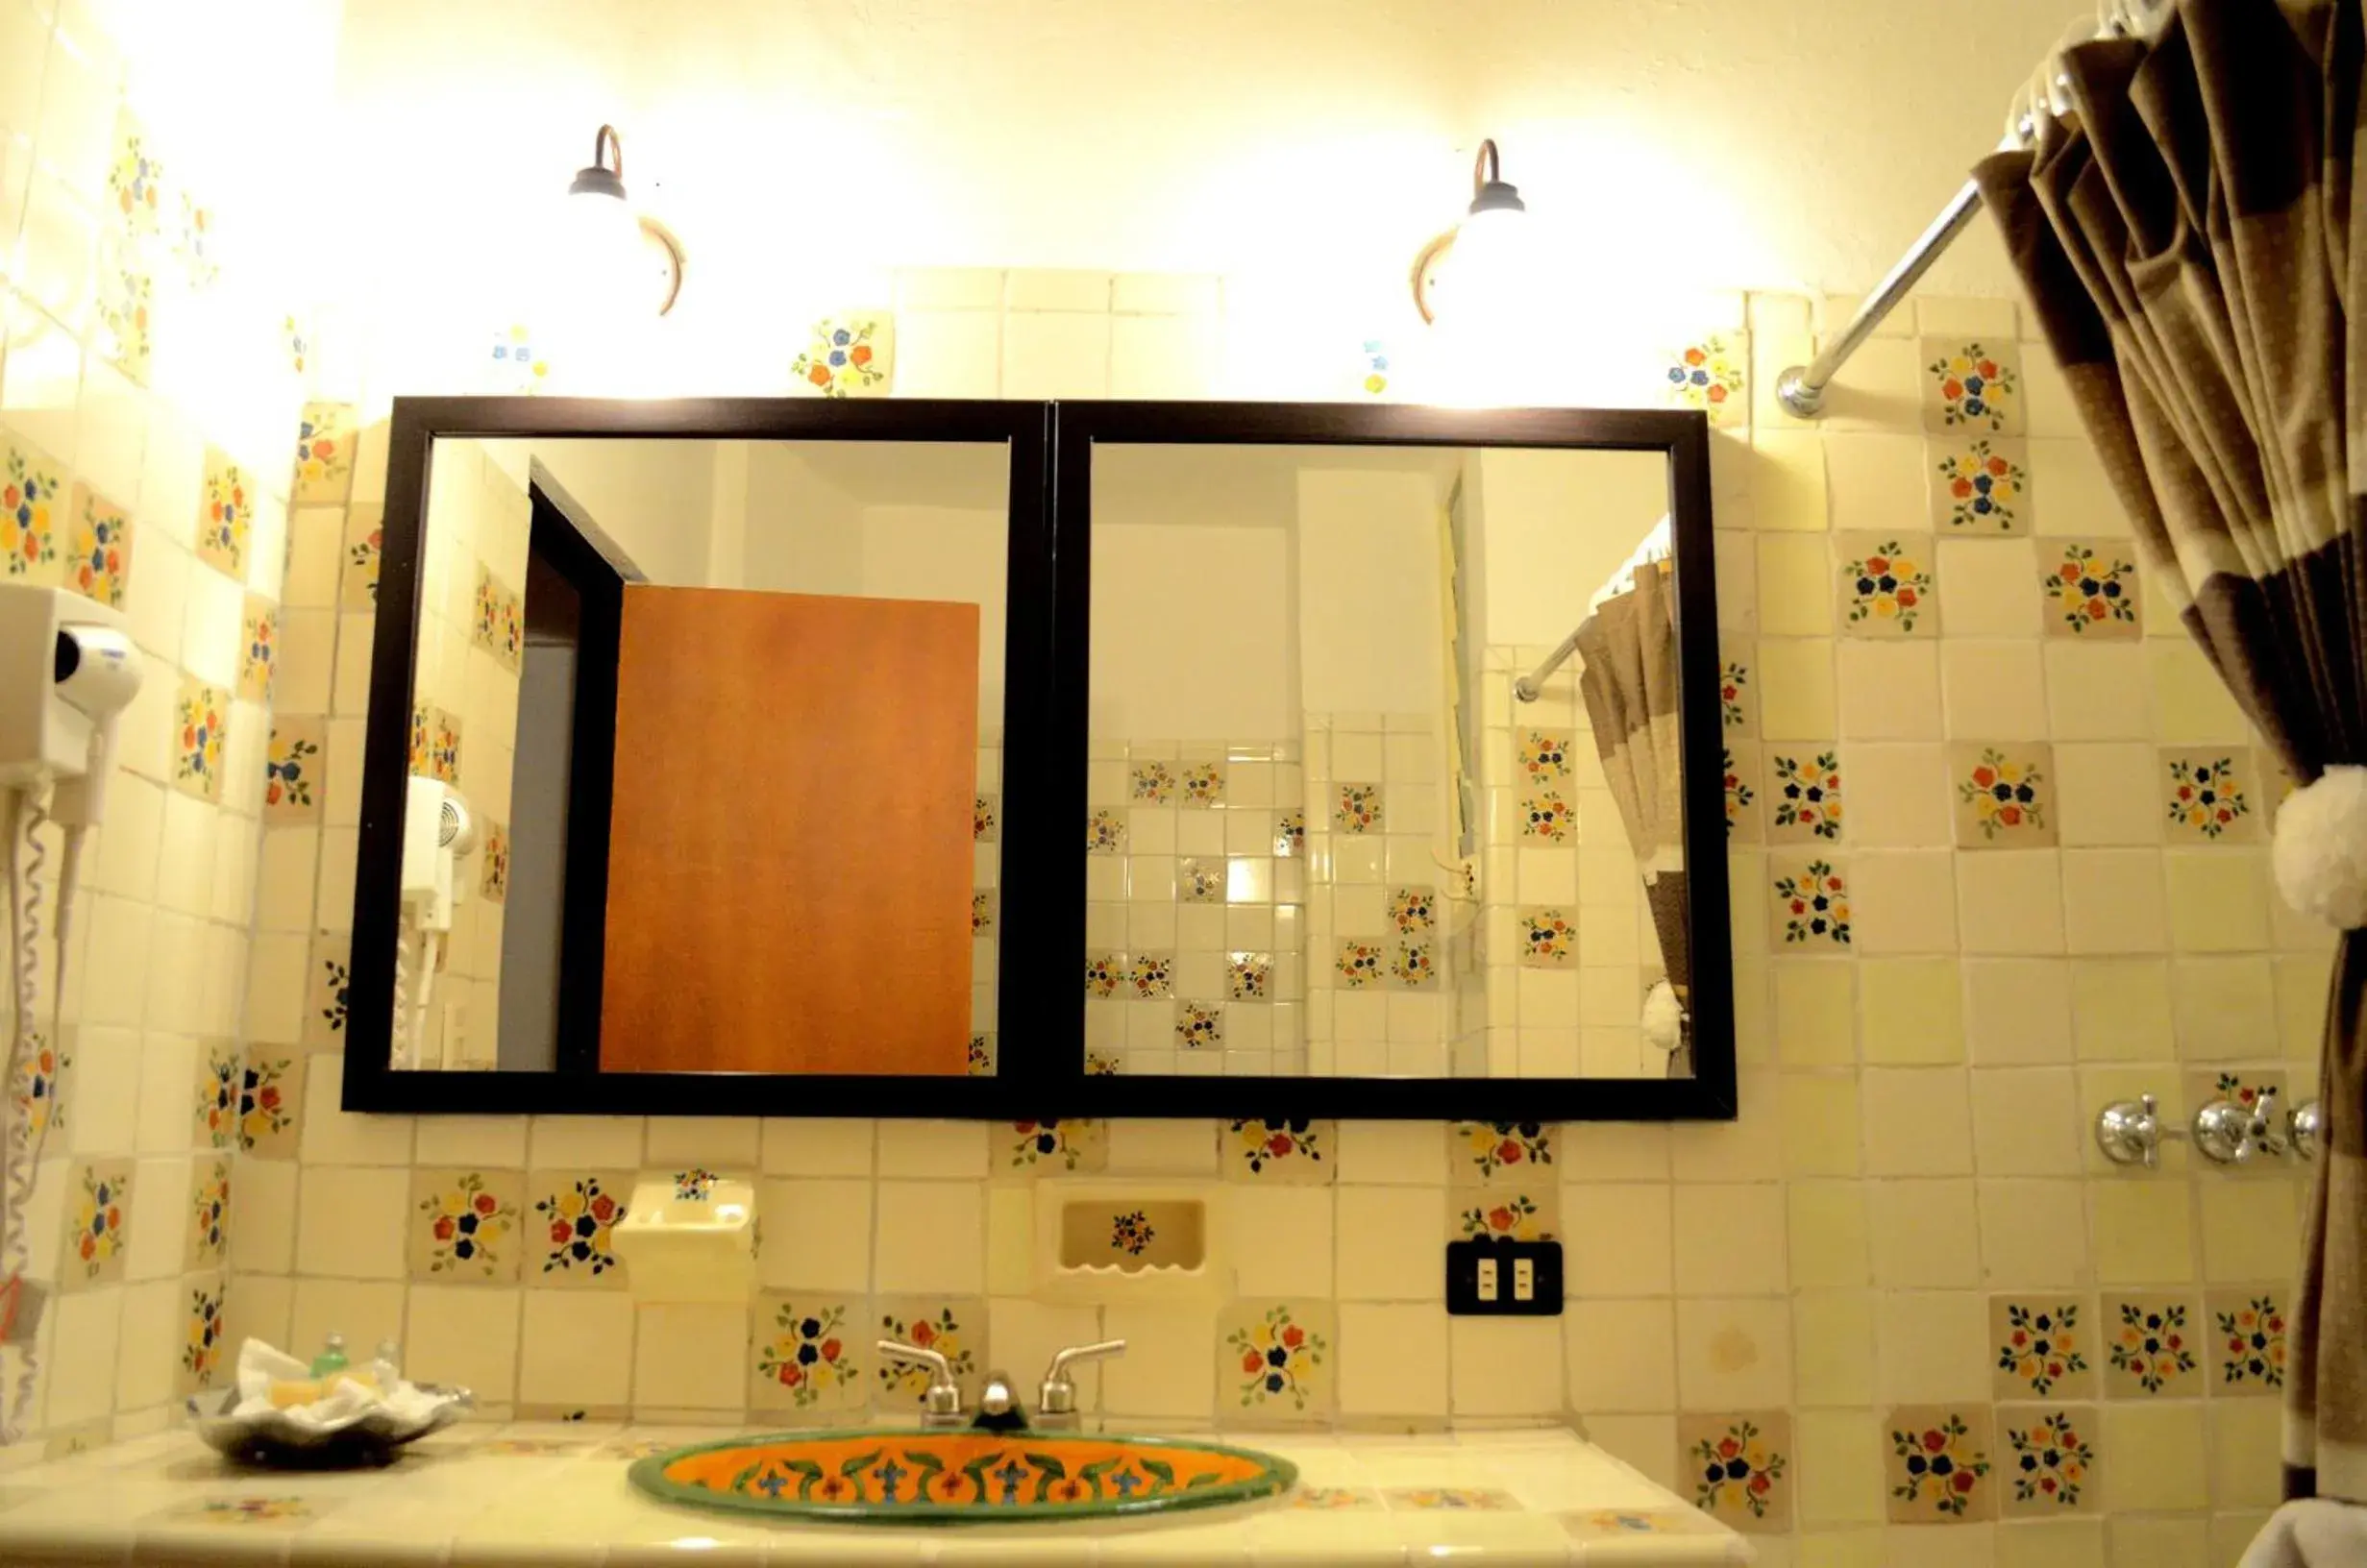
[(1325, 835), (725, 718)]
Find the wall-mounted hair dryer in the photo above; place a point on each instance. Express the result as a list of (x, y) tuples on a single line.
[(68, 669)]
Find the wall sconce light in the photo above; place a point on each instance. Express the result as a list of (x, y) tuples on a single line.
[(1483, 265), (610, 253)]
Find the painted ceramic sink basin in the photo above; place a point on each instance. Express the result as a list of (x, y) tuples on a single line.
[(960, 1478)]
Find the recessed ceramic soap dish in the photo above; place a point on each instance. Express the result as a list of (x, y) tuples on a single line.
[(1119, 1240), (689, 1235)]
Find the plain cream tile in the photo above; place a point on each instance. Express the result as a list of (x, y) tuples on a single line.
[(332, 1136), (1875, 484), (1888, 689), (2121, 1010), (352, 1220), (2113, 901), (1933, 1347), (1163, 1148), (2192, 704), (2031, 1236), (1375, 1264), (2011, 901), (2244, 1436), (1394, 1360), (263, 1210), (949, 354), (1281, 1237), (1919, 1231), (816, 1146), (1502, 1367), (1163, 356), (1841, 1457), (1815, 1006), (931, 1239), (1620, 1355), (2224, 1006), (1831, 1235), (2250, 1229), (725, 1144), (467, 1335), (945, 289), (1734, 1353), (1055, 354), (586, 1142), (1902, 900), (1179, 1380), (1820, 1123), (1910, 1010), (1730, 1239), (1795, 586), (2143, 1231), (1394, 1153), (686, 1357), (1833, 1333), (472, 1141), (938, 1149), (1994, 691), (2106, 794), (1048, 288), (575, 1349), (1993, 587), (1798, 698), (1617, 1239), (1898, 795), (1788, 485), (2158, 1457), (2097, 691), (2218, 900), (816, 1233)]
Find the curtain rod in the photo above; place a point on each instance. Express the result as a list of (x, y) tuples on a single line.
[(1801, 388)]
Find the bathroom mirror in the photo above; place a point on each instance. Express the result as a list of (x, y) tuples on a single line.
[(731, 756)]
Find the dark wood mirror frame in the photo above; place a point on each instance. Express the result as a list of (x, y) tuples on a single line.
[(1040, 1057)]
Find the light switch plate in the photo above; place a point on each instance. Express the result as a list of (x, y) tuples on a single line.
[(1499, 1278)]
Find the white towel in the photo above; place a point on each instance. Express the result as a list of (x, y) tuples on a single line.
[(2315, 1532)]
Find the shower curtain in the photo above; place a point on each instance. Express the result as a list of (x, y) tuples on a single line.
[(2193, 243), (1628, 676)]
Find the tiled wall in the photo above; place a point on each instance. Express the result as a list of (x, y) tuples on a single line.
[(1863, 1264), (149, 390)]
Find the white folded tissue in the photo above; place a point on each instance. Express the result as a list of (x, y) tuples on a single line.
[(345, 1400)]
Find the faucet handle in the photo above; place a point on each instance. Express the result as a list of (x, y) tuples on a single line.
[(2130, 1132), (1058, 1394), (942, 1404), (2269, 1132), (2308, 1123)]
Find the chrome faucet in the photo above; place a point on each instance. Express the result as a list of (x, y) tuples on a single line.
[(999, 1406)]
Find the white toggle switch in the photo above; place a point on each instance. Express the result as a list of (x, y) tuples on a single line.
[(1486, 1278), (1524, 1279)]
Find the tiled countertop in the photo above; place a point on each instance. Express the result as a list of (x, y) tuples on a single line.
[(558, 1495)]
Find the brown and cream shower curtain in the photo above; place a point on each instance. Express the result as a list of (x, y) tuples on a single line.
[(1628, 676), (2194, 243)]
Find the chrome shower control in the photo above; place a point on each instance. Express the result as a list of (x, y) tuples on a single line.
[(2307, 1126), (2231, 1132), (2130, 1132)]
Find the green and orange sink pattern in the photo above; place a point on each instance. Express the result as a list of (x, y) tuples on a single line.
[(957, 1478)]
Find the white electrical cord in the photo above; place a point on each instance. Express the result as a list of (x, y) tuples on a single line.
[(20, 1159)]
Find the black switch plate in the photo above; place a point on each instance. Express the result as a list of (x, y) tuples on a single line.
[(1471, 1293)]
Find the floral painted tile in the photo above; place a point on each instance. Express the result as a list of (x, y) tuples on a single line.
[(98, 560), (1075, 1147), (1360, 963), (1200, 1026), (1250, 977), (570, 1230), (1133, 1232), (978, 1059), (2152, 1348), (2091, 592), (2041, 1345), (953, 1327), (493, 868), (2048, 1463), (201, 1335), (208, 1230), (1412, 910), (2003, 795), (1980, 488), (808, 1352), (220, 1075), (1104, 973), (444, 745), (2209, 795), (848, 356), (1373, 355), (1938, 1464), (1741, 759), (193, 243), (327, 995), (1972, 385), (520, 366), (1739, 1468), (1151, 976), (467, 1226), (1546, 817), (365, 542), (985, 912), (125, 302), (1500, 1152), (1105, 833), (1200, 881), (270, 1088), (1151, 783), (1414, 966), (293, 764), (98, 1223), (224, 515), (41, 1095), (986, 818), (1887, 585), (1275, 1361), (2244, 1087), (33, 511), (1803, 794), (1548, 937), (1449, 1500), (201, 715), (1627, 1524), (1545, 758), (2249, 1352), (1201, 784), (1097, 1066), (326, 439), (1737, 694), (259, 647), (1708, 375), (1356, 808), (1290, 835), (1278, 1151), (297, 338), (134, 181), (498, 625), (1812, 904), (1334, 1499), (1505, 1213)]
